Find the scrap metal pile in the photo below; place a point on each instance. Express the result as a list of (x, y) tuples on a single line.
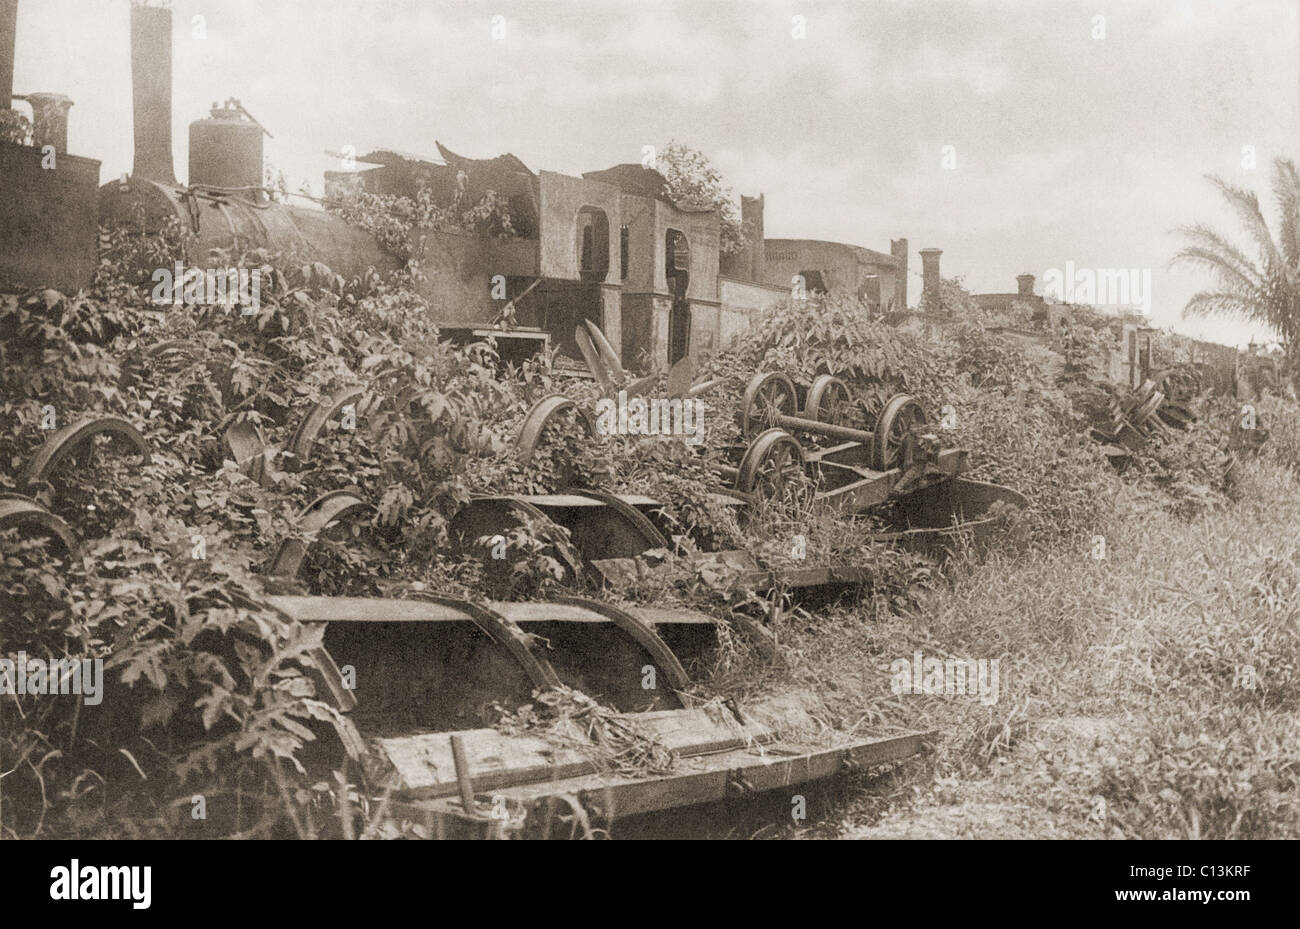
[(476, 656), (428, 673), (419, 725), (853, 472), (1165, 404)]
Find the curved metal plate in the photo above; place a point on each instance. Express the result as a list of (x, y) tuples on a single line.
[(247, 446), (645, 636), (17, 511), (534, 425), (632, 525), (317, 515), (72, 436), (517, 643), (305, 435)]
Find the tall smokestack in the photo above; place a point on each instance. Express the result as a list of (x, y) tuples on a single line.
[(751, 214), (151, 90), (898, 248), (8, 35), (930, 299)]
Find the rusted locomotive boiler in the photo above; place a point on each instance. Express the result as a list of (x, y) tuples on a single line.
[(225, 206)]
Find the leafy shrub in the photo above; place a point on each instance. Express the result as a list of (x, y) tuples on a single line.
[(826, 334), (1034, 443)]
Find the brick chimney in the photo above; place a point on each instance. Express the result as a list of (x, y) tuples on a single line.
[(151, 91), (898, 248), (8, 36), (930, 297), (50, 120), (1026, 285), (751, 214)]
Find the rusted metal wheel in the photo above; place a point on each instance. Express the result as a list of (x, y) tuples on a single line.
[(74, 436), (312, 424), (540, 416), (623, 525), (767, 395), (30, 518), (318, 516), (1179, 384), (532, 434), (889, 437), (773, 468), (829, 401), (1141, 416)]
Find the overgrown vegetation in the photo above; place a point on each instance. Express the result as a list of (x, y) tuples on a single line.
[(216, 691), (695, 183)]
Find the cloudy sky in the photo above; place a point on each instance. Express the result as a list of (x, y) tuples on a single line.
[(1073, 139)]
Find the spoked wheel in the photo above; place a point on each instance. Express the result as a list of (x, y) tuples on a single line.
[(829, 401), (1137, 399), (1179, 384), (889, 438), (773, 469), (766, 396), (1142, 415)]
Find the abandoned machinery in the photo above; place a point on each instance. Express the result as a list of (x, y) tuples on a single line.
[(425, 724), (431, 670)]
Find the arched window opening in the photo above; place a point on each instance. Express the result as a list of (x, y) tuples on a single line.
[(593, 244)]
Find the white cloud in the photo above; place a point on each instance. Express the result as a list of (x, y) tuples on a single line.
[(1068, 148)]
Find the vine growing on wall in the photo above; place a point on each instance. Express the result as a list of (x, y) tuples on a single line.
[(401, 223)]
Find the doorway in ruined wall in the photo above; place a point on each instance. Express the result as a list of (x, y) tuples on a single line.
[(559, 307), (678, 269)]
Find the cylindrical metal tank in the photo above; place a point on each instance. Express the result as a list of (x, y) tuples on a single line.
[(226, 152), (226, 222)]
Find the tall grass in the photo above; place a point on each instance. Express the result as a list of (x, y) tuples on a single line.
[(1181, 644)]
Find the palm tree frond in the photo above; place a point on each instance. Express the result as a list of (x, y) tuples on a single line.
[(1246, 205), (1286, 187)]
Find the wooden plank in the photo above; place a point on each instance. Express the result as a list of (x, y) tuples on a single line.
[(564, 501), (662, 615), (806, 577), (365, 609), (425, 768), (378, 610), (700, 779)]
